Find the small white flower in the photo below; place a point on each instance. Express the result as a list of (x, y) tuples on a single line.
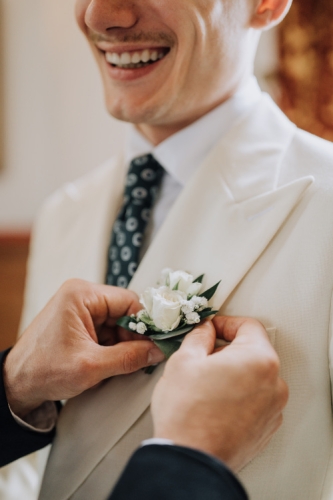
[(187, 306), (192, 318), (200, 303), (133, 326), (141, 328)]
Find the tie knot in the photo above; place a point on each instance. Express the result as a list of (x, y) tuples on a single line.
[(143, 178), (144, 168)]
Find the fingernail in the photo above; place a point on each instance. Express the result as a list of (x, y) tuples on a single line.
[(155, 355)]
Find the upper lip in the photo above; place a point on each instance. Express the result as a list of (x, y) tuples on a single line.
[(119, 49)]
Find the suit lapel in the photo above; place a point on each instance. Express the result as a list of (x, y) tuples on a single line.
[(220, 225), (231, 209)]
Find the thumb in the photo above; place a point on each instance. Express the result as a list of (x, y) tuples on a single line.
[(127, 357), (201, 341), (242, 331)]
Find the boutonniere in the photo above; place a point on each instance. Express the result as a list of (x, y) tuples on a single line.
[(171, 310)]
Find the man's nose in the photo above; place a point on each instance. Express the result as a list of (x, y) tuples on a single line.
[(102, 16)]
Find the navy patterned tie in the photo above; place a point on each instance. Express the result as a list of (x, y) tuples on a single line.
[(142, 185)]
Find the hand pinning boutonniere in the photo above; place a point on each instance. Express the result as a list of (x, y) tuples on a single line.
[(171, 310)]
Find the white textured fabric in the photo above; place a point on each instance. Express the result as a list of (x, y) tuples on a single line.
[(258, 214)]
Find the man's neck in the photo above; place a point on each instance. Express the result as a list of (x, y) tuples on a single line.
[(157, 133)]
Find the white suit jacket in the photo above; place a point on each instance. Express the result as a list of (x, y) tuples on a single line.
[(258, 214)]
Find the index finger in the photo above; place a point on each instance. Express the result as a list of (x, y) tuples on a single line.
[(109, 303)]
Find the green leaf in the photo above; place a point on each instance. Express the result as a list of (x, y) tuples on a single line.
[(206, 314), (153, 328), (168, 347), (174, 333), (176, 286), (208, 294), (145, 318), (199, 279), (125, 321)]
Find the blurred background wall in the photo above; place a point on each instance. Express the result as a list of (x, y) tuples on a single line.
[(55, 124)]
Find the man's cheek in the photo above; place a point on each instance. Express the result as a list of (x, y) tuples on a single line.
[(80, 10)]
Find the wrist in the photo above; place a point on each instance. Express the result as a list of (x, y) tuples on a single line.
[(19, 399), (199, 441)]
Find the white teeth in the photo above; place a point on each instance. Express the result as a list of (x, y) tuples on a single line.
[(154, 55), (125, 58), (135, 59), (145, 56), (112, 58)]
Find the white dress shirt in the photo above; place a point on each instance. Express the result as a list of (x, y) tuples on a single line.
[(180, 155)]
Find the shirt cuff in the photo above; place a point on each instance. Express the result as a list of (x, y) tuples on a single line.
[(161, 441), (42, 420)]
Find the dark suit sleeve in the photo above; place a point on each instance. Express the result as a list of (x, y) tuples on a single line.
[(15, 441), (176, 473)]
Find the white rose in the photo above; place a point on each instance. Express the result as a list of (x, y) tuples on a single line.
[(194, 289), (146, 300), (163, 306), (184, 282), (165, 277)]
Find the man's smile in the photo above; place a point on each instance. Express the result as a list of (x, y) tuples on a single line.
[(135, 59)]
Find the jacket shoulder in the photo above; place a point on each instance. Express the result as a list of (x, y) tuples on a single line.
[(309, 155), (82, 189), (314, 146)]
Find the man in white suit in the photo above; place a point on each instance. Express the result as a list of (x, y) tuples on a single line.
[(246, 197)]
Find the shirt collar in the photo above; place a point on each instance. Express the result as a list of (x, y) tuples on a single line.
[(182, 153)]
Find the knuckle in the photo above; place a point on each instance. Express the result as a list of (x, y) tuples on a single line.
[(85, 368), (270, 366), (79, 380), (72, 284), (129, 362)]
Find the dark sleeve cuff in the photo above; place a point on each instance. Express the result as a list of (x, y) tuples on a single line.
[(16, 441), (169, 472)]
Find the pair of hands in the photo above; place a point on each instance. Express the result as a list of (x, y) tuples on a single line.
[(227, 401)]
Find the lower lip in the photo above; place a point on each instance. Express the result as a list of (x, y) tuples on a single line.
[(132, 74)]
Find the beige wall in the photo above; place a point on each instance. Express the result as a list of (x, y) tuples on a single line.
[(56, 126)]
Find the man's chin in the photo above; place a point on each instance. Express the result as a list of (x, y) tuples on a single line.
[(134, 113)]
